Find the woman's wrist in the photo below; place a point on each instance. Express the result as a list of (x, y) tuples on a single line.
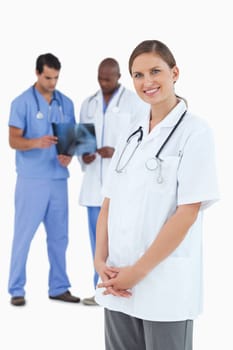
[(139, 270)]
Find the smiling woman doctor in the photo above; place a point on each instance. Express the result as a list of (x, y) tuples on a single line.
[(149, 233)]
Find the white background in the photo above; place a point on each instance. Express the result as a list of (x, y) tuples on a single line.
[(81, 33)]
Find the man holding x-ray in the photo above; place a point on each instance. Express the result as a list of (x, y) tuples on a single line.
[(41, 188)]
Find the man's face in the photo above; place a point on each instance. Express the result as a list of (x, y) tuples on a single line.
[(108, 79), (47, 80)]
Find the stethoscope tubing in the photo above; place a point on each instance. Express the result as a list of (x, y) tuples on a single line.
[(39, 114), (170, 135), (96, 94), (139, 140), (156, 159)]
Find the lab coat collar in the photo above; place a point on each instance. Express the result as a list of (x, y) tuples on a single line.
[(168, 122), (173, 116), (117, 92)]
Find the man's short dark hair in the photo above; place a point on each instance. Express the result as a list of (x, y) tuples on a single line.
[(49, 60)]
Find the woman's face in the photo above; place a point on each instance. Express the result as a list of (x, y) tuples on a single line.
[(153, 79)]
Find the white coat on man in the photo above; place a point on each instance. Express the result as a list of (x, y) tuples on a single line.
[(123, 108)]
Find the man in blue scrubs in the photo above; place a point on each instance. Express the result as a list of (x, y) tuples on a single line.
[(41, 189)]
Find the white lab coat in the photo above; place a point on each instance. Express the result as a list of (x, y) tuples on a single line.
[(139, 206), (124, 107)]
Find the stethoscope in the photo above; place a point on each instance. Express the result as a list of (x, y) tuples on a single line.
[(152, 163), (115, 109), (39, 114)]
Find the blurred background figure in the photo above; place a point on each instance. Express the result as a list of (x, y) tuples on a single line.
[(41, 188), (111, 109)]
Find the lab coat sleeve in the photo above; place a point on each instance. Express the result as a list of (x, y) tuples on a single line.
[(83, 111), (82, 116), (197, 178), (110, 177)]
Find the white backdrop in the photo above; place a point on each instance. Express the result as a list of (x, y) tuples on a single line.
[(81, 33)]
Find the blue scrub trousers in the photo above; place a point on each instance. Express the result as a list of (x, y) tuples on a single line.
[(37, 201), (93, 213)]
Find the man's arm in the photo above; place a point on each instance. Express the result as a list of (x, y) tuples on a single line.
[(19, 142)]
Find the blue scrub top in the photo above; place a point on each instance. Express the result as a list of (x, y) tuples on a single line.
[(39, 163)]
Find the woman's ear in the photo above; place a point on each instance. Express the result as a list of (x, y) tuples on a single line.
[(175, 74)]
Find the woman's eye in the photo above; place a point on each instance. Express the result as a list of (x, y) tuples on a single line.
[(137, 75), (155, 71)]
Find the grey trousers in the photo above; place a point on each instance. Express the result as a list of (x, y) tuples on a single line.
[(123, 332)]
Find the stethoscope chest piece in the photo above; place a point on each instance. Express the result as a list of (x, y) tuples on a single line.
[(39, 115), (153, 164)]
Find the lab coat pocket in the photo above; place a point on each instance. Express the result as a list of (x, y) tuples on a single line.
[(166, 174)]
